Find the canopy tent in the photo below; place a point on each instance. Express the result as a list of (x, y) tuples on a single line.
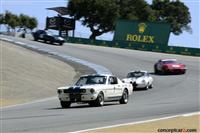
[(60, 10)]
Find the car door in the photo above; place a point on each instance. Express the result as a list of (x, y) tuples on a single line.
[(111, 88), (118, 88)]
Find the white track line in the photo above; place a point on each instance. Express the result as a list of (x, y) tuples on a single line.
[(6, 39), (21, 43), (138, 122), (191, 114)]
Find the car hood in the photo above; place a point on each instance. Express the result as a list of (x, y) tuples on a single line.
[(62, 88), (82, 87)]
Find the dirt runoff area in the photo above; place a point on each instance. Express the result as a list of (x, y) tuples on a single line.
[(189, 124), (27, 76)]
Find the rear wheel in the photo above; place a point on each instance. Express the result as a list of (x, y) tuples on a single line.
[(124, 98), (65, 104)]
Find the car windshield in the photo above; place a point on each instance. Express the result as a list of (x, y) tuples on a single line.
[(90, 80), (135, 74), (169, 62), (49, 33)]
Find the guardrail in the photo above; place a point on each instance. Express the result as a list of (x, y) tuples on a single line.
[(138, 46)]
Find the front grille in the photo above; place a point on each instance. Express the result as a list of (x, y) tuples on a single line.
[(75, 97)]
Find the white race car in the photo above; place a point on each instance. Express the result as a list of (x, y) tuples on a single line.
[(139, 79), (95, 89)]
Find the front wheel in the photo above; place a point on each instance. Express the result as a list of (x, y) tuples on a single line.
[(100, 100), (92, 103), (35, 39), (124, 98), (65, 104), (183, 72), (156, 70), (150, 86)]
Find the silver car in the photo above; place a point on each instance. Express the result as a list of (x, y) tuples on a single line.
[(139, 79)]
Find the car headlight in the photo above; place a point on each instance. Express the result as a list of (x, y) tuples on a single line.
[(143, 81), (84, 91), (92, 91)]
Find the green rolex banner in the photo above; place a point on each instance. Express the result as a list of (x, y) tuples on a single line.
[(142, 32)]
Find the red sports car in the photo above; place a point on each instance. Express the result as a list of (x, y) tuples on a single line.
[(169, 66)]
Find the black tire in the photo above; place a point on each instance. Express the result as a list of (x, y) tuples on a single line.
[(147, 87), (92, 104), (124, 98), (163, 72), (35, 39), (61, 43), (65, 104), (100, 100), (133, 87), (155, 70), (183, 72), (151, 86)]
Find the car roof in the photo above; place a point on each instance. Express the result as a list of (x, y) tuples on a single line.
[(138, 71), (97, 75), (168, 59)]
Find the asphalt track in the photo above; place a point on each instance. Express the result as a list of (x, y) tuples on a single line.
[(171, 95)]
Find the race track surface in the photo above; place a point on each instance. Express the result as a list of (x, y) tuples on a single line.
[(171, 95)]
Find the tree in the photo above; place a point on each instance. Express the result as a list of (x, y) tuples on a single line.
[(27, 22), (32, 23), (99, 15), (11, 20), (14, 21), (1, 19), (23, 22), (136, 10), (173, 12)]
